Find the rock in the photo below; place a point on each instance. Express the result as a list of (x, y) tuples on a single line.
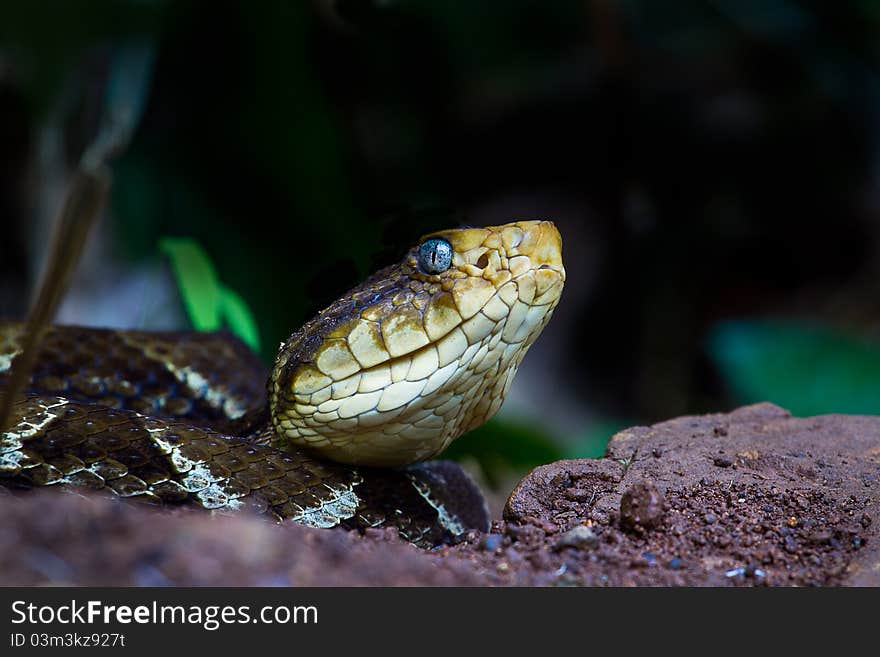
[(814, 478), (542, 493), (641, 507), (491, 542), (578, 537)]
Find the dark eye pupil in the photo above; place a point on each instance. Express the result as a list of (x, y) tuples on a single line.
[(435, 256)]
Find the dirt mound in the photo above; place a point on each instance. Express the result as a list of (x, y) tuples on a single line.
[(755, 497)]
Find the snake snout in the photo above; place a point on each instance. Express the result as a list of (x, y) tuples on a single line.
[(543, 244)]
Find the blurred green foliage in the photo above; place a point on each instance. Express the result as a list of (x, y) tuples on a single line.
[(504, 448), (591, 443), (209, 304), (507, 449), (806, 368)]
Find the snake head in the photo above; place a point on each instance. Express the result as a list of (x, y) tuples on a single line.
[(423, 351)]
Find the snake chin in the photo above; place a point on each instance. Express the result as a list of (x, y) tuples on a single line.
[(407, 362)]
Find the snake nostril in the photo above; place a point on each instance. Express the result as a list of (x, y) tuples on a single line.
[(483, 261)]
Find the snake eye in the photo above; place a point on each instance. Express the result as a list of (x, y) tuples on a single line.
[(435, 256)]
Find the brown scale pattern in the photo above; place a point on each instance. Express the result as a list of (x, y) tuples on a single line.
[(58, 441), (77, 442), (207, 379)]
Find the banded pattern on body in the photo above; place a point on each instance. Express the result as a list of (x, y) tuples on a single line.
[(205, 379)]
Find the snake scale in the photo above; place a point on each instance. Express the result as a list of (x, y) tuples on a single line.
[(383, 379)]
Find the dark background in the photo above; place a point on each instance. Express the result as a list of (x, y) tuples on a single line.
[(712, 166)]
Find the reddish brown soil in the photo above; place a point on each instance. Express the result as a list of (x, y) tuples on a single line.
[(750, 498)]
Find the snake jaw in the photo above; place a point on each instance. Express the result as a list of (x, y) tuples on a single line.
[(405, 363)]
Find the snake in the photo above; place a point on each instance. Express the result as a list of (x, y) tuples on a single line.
[(343, 429)]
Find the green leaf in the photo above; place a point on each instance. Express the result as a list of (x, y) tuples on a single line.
[(210, 304), (196, 279), (808, 369), (239, 318)]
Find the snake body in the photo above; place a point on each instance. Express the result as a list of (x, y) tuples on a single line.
[(384, 378)]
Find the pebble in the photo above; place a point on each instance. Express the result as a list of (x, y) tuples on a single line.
[(491, 542), (641, 507), (722, 462), (578, 537), (747, 571)]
